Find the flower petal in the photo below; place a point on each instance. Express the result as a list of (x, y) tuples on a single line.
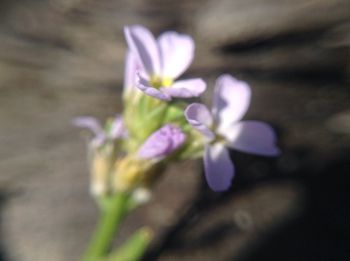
[(253, 137), (151, 91), (162, 142), (89, 123), (144, 85), (94, 126), (118, 129), (186, 88), (154, 147), (176, 53), (200, 118), (132, 66), (141, 41), (219, 169), (231, 100)]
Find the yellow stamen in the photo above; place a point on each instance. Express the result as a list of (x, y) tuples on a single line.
[(158, 82), (218, 139)]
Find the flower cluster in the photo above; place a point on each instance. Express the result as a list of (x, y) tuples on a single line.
[(158, 125)]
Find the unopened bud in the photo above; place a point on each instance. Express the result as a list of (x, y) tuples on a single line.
[(101, 166), (130, 172)]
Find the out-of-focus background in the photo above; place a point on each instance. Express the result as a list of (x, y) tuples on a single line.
[(64, 58)]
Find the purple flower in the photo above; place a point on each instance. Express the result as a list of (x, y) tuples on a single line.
[(116, 131), (163, 60), (223, 128), (162, 143)]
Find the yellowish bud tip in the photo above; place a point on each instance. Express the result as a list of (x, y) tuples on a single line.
[(129, 173), (100, 168)]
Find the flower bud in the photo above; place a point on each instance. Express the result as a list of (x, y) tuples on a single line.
[(162, 143), (130, 172), (100, 168)]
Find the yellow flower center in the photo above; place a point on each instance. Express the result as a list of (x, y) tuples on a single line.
[(158, 82), (218, 139)]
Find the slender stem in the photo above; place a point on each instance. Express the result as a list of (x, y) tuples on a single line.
[(134, 248), (107, 227)]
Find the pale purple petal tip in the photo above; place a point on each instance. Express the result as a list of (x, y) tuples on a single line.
[(162, 142), (176, 53), (89, 123), (154, 93), (143, 44), (118, 129), (219, 169), (94, 126), (186, 88), (132, 66), (253, 137), (231, 100), (200, 118), (98, 140)]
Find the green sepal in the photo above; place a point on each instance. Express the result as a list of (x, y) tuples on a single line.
[(194, 146), (150, 117), (175, 113)]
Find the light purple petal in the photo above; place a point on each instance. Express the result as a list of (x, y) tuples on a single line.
[(200, 118), (98, 140), (253, 137), (132, 66), (162, 142), (141, 42), (94, 126), (154, 147), (176, 53), (231, 100), (186, 88), (118, 129), (144, 85), (89, 123), (151, 91), (219, 169), (142, 79), (176, 135)]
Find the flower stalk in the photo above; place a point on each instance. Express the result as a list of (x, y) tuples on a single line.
[(107, 227), (134, 248)]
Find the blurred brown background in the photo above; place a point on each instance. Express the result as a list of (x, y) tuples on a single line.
[(65, 58)]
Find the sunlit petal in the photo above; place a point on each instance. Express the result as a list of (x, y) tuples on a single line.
[(231, 100), (176, 53), (186, 88), (200, 118), (141, 42)]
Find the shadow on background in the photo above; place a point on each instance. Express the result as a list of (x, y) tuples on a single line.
[(321, 231)]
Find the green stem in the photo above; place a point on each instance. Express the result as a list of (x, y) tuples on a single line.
[(107, 227), (134, 248)]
